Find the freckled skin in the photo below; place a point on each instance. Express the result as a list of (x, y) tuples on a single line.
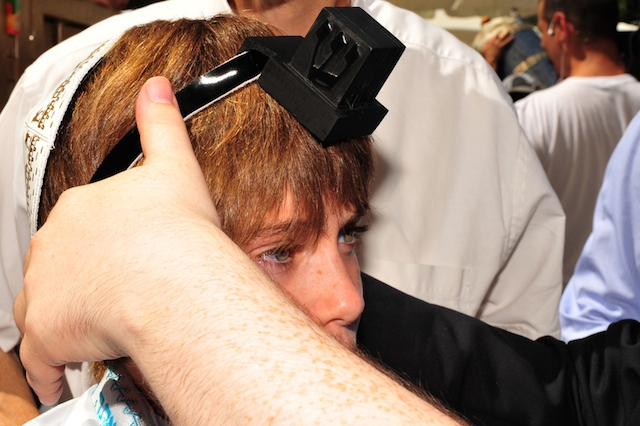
[(322, 279)]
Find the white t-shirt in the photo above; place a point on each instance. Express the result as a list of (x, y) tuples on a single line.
[(464, 215), (574, 127)]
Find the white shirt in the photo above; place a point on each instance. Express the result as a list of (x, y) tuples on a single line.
[(574, 127), (465, 216)]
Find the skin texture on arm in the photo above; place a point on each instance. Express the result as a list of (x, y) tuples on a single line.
[(16, 402), (143, 250)]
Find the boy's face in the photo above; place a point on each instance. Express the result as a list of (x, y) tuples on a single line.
[(323, 276)]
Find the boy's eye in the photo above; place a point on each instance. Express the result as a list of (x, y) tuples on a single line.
[(350, 234), (348, 237), (279, 256)]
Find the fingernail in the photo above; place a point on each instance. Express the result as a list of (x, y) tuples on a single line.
[(159, 90)]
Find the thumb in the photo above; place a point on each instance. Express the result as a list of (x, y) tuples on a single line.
[(165, 142), (162, 129)]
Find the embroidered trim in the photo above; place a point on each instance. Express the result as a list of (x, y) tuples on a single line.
[(42, 125)]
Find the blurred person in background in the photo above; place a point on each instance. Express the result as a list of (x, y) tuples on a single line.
[(575, 125)]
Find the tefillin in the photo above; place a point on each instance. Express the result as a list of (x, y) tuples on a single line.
[(327, 80)]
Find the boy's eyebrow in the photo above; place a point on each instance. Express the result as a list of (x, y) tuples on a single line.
[(354, 219), (277, 227), (281, 227)]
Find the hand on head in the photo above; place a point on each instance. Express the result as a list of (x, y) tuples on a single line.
[(493, 47), (93, 231)]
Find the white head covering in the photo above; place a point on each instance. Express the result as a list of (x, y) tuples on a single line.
[(42, 125)]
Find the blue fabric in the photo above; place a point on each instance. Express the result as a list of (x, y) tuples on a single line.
[(525, 47), (605, 287)]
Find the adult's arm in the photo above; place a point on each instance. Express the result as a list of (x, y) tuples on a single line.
[(494, 377), (136, 266), (605, 286)]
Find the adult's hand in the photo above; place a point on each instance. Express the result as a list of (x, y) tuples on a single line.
[(493, 47), (94, 238)]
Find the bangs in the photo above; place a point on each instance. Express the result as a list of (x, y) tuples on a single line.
[(259, 154)]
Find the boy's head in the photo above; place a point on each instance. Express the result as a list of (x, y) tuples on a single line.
[(291, 204)]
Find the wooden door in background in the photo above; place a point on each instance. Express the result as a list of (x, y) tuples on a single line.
[(43, 24)]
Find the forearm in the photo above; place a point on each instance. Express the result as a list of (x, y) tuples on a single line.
[(271, 363)]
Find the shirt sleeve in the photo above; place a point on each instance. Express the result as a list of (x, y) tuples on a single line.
[(495, 377), (605, 287), (14, 239)]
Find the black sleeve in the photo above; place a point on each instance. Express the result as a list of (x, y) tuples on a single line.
[(494, 377)]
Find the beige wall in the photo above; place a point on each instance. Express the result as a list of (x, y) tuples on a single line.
[(469, 7)]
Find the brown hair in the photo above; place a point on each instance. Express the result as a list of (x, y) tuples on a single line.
[(251, 150), (593, 19)]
